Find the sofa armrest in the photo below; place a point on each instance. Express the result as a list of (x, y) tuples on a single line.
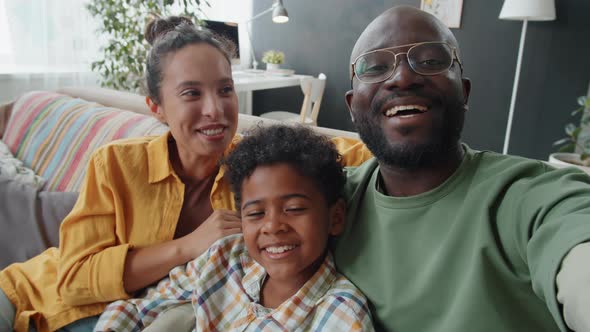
[(136, 103), (5, 111), (245, 122), (111, 98)]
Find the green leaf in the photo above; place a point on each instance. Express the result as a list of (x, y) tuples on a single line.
[(562, 141), (577, 110), (570, 128), (567, 148), (576, 133), (123, 58)]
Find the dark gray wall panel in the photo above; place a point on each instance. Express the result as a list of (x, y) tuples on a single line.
[(555, 69)]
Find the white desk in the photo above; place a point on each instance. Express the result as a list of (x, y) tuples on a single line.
[(245, 82)]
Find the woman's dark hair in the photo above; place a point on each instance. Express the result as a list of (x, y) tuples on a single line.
[(313, 155), (170, 34)]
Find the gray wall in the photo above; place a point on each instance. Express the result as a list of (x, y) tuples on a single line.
[(555, 69)]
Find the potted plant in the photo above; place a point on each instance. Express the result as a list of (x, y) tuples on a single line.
[(123, 58), (575, 147), (273, 59)]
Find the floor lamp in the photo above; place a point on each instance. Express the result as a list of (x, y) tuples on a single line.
[(279, 15), (523, 10)]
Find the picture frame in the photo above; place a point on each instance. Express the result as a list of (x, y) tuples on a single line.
[(448, 11)]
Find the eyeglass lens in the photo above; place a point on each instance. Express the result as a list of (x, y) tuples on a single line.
[(424, 59)]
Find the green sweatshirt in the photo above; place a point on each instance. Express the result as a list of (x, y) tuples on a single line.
[(478, 253)]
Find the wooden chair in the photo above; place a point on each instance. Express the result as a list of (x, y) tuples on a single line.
[(313, 91)]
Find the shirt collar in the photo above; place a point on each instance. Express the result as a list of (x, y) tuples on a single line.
[(305, 300), (159, 166)]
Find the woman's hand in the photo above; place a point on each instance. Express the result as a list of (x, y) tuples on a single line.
[(143, 266), (220, 223)]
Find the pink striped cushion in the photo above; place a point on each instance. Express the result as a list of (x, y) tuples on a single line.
[(55, 135)]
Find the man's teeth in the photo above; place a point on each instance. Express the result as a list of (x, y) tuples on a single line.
[(278, 250), (212, 132), (394, 110)]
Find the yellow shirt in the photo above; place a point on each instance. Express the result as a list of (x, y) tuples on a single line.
[(131, 197)]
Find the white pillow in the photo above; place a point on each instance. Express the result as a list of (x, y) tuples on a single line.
[(14, 168)]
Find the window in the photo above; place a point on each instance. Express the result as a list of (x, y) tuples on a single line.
[(40, 36)]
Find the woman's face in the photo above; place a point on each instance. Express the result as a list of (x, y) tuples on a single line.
[(198, 101)]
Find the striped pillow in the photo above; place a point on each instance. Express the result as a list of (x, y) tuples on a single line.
[(55, 135)]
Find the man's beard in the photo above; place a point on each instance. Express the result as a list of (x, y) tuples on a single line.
[(441, 144)]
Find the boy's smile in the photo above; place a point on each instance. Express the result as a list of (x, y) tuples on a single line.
[(286, 223)]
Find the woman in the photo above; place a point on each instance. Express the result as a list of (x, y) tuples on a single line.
[(147, 204)]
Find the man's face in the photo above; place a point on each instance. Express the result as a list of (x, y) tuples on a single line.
[(409, 120)]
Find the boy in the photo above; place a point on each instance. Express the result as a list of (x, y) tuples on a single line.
[(287, 183)]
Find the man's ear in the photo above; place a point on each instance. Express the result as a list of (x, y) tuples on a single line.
[(155, 109), (466, 89), (348, 98), (337, 217)]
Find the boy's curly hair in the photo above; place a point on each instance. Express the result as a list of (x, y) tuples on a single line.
[(312, 155)]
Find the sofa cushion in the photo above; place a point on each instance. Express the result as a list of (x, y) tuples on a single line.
[(55, 134), (30, 219)]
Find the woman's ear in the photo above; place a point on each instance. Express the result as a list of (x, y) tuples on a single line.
[(337, 217), (155, 109)]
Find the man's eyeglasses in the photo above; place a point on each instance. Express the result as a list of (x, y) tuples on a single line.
[(426, 58)]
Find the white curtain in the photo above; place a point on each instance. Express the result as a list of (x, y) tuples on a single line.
[(45, 44)]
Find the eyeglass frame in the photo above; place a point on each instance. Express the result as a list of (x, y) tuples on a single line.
[(387, 49)]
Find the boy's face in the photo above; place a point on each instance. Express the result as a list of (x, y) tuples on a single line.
[(287, 222)]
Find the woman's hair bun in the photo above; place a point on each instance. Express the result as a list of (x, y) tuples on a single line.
[(157, 26)]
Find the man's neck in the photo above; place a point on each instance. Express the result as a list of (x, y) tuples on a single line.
[(401, 182)]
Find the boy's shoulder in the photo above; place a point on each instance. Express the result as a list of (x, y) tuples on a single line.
[(343, 290), (343, 306), (231, 247)]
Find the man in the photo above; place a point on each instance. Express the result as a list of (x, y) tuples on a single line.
[(441, 237)]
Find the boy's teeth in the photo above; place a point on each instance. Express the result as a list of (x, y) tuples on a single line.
[(278, 250), (211, 132), (393, 111)]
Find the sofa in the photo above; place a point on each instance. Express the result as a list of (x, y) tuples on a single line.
[(53, 134)]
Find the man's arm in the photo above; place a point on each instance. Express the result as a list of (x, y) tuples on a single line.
[(550, 210), (573, 288)]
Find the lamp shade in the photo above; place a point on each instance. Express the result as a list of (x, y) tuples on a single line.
[(279, 13), (532, 10)]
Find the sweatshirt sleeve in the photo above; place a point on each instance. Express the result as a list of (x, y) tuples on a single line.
[(551, 217), (92, 260)]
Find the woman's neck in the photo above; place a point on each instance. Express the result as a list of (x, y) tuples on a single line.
[(190, 167)]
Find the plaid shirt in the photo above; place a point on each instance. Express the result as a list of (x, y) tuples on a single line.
[(224, 286)]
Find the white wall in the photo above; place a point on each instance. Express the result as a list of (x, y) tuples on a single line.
[(237, 11)]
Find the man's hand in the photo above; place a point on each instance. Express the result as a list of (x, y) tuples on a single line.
[(573, 288)]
